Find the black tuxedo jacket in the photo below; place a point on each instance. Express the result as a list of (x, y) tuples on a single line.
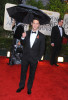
[(37, 49), (56, 37)]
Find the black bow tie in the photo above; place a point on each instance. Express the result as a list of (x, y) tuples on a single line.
[(33, 32)]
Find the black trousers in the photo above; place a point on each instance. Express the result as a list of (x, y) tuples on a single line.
[(55, 51), (26, 61)]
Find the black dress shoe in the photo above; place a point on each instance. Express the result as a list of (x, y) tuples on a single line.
[(19, 89), (56, 65), (29, 92)]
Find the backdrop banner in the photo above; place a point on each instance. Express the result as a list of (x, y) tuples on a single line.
[(46, 29), (8, 19), (65, 24)]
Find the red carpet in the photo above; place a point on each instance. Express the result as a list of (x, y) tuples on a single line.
[(51, 82)]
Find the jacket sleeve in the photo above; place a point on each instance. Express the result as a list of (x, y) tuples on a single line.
[(23, 41), (42, 47), (52, 35)]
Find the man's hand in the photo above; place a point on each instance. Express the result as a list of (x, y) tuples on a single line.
[(18, 43), (52, 44), (24, 35)]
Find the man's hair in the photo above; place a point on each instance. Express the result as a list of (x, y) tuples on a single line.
[(59, 20), (36, 19)]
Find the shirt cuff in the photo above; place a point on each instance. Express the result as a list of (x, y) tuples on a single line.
[(22, 38), (52, 43)]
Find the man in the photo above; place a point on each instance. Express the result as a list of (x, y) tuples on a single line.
[(56, 41), (34, 46)]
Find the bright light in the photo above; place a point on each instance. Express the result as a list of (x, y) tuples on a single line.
[(8, 54), (60, 59), (42, 58)]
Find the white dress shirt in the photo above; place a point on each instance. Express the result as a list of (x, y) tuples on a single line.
[(32, 38), (60, 28)]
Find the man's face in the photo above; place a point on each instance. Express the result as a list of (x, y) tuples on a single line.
[(61, 22), (35, 24)]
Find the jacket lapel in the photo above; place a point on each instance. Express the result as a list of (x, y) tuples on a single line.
[(59, 31), (62, 32), (29, 37)]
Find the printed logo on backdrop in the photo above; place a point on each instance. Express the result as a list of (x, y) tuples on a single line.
[(65, 25), (46, 29), (8, 20)]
